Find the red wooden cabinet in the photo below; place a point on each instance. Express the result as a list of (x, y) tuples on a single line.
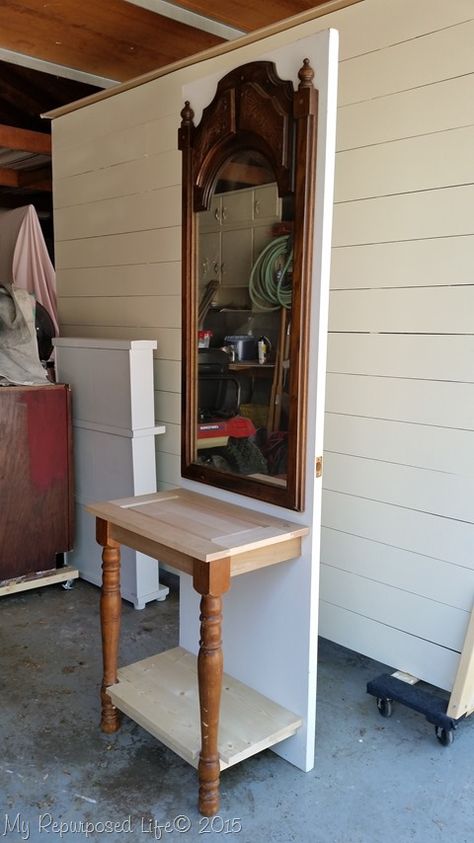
[(36, 486)]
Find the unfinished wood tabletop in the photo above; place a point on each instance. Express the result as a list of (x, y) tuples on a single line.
[(198, 526)]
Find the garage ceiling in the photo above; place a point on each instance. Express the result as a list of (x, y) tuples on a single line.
[(53, 52), (117, 40)]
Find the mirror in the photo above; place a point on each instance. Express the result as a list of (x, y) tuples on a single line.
[(248, 175), (244, 300)]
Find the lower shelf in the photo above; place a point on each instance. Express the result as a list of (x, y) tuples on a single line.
[(161, 694)]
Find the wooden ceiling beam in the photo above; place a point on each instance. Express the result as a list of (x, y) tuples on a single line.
[(8, 177), (38, 179), (113, 38), (24, 140), (178, 12), (249, 14)]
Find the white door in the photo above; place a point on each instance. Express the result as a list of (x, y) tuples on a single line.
[(271, 615)]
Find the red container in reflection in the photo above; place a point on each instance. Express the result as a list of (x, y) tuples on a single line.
[(204, 339)]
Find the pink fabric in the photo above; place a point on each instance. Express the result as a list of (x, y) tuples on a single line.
[(32, 267)]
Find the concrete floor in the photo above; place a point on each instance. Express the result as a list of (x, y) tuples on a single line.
[(374, 781)]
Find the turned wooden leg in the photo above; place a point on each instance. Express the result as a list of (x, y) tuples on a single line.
[(110, 616), (210, 583), (210, 669)]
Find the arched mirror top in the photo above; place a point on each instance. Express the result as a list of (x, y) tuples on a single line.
[(248, 193), (251, 110)]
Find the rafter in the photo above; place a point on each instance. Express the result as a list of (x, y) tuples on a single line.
[(24, 140), (249, 14), (8, 178), (38, 179)]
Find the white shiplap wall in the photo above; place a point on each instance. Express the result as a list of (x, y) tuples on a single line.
[(397, 577), (117, 202)]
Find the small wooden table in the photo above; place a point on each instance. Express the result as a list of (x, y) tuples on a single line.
[(213, 542)]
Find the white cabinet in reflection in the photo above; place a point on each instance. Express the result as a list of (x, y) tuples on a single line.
[(233, 232)]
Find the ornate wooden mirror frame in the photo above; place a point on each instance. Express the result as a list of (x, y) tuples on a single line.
[(254, 110)]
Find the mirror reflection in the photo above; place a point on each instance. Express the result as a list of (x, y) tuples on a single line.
[(244, 272)]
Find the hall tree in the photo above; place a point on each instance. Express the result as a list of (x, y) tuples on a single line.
[(396, 538)]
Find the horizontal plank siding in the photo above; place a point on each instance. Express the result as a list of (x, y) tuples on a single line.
[(436, 310), (439, 449), (397, 513), (126, 179), (418, 615), (440, 403), (113, 216), (378, 25), (417, 656), (167, 373), (143, 311), (117, 147), (169, 442), (396, 526), (434, 579), (139, 121), (419, 61), (406, 165), (129, 249), (168, 467), (443, 494), (410, 263), (413, 216), (444, 106), (146, 279), (424, 357), (168, 406)]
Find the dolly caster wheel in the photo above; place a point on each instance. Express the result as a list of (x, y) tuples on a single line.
[(445, 736), (68, 585), (384, 706)]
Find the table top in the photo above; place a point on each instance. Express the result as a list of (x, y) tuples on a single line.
[(198, 526)]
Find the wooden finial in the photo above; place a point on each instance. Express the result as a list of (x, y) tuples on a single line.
[(187, 115), (306, 75)]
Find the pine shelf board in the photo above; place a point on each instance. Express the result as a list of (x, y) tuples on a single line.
[(25, 583), (160, 693)]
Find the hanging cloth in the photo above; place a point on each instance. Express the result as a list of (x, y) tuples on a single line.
[(24, 258)]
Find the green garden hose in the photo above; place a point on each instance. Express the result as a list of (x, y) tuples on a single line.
[(269, 287)]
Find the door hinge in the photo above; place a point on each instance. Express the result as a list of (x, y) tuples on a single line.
[(319, 466)]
